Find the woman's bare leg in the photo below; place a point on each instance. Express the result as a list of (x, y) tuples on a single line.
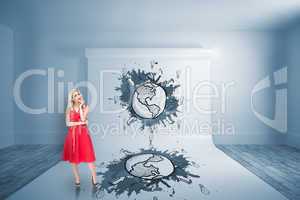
[(75, 172), (93, 171)]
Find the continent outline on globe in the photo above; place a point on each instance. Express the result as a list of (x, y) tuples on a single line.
[(152, 166), (143, 97)]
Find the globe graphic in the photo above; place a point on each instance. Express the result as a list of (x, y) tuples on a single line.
[(149, 166), (149, 100)]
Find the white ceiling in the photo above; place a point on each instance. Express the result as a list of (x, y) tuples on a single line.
[(162, 15)]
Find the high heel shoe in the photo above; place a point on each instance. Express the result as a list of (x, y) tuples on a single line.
[(94, 184), (77, 184)]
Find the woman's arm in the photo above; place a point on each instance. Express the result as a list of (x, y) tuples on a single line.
[(69, 123), (84, 109)]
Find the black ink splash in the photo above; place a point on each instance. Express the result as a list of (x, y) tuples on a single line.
[(130, 80), (115, 178)]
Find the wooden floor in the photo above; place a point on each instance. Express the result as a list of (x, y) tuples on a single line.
[(278, 166), (20, 164)]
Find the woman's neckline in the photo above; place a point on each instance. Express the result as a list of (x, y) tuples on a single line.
[(75, 109)]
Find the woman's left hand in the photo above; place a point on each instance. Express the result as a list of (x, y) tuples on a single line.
[(86, 108)]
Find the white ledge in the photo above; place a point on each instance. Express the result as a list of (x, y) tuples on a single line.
[(148, 52)]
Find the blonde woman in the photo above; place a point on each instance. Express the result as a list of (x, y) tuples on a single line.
[(78, 146)]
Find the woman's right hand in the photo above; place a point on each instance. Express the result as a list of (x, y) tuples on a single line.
[(82, 103), (84, 122)]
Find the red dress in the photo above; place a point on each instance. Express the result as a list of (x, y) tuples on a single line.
[(78, 146)]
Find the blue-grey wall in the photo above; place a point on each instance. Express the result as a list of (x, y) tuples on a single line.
[(293, 62), (7, 136), (245, 58), (54, 35)]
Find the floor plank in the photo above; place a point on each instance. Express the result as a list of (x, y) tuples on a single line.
[(20, 164), (277, 165)]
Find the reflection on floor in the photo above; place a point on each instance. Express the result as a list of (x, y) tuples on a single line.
[(279, 166), (214, 176), (20, 164)]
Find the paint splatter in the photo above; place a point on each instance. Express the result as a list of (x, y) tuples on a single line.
[(115, 178), (204, 190), (131, 80), (194, 164), (126, 152), (172, 193)]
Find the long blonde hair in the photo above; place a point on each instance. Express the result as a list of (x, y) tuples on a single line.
[(70, 98)]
